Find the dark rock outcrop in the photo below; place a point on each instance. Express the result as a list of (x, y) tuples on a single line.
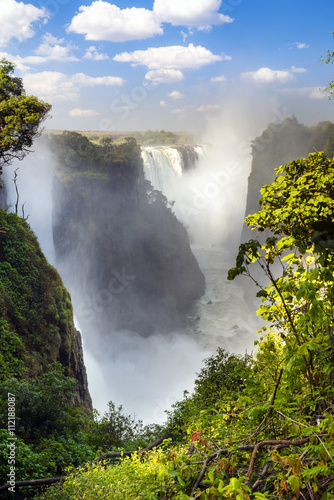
[(125, 256)]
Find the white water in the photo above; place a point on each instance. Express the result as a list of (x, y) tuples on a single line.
[(208, 200)]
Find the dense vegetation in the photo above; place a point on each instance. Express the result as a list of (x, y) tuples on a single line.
[(147, 138), (41, 360)]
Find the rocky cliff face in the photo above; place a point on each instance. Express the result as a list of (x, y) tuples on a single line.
[(3, 195), (126, 258), (36, 316)]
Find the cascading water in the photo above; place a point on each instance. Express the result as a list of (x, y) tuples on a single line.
[(163, 165), (205, 199)]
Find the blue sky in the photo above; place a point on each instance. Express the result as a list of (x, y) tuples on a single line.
[(171, 64)]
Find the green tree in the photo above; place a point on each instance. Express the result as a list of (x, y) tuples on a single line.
[(20, 116), (297, 210)]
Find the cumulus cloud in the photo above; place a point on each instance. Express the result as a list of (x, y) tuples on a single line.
[(51, 86), (55, 86), (16, 20), (93, 54), (268, 76), (83, 112), (104, 21), (176, 95), (53, 49), (156, 76), (90, 81), (200, 13), (218, 79), (208, 107), (163, 104), (171, 57)]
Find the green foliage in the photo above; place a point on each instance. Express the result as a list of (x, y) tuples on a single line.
[(77, 153), (43, 406), (139, 477), (150, 138), (116, 430), (35, 309), (48, 426), (20, 116)]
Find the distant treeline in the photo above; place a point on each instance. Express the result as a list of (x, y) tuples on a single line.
[(149, 137)]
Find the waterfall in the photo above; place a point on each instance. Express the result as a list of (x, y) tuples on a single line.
[(206, 189), (163, 165)]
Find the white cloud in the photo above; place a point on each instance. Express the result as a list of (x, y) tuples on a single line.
[(90, 81), (298, 70), (83, 112), (300, 45), (51, 86), (55, 86), (309, 92), (176, 95), (216, 79), (94, 55), (268, 76), (52, 49), (208, 107), (181, 112), (16, 19), (163, 104), (200, 13), (171, 57), (104, 21), (156, 76)]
